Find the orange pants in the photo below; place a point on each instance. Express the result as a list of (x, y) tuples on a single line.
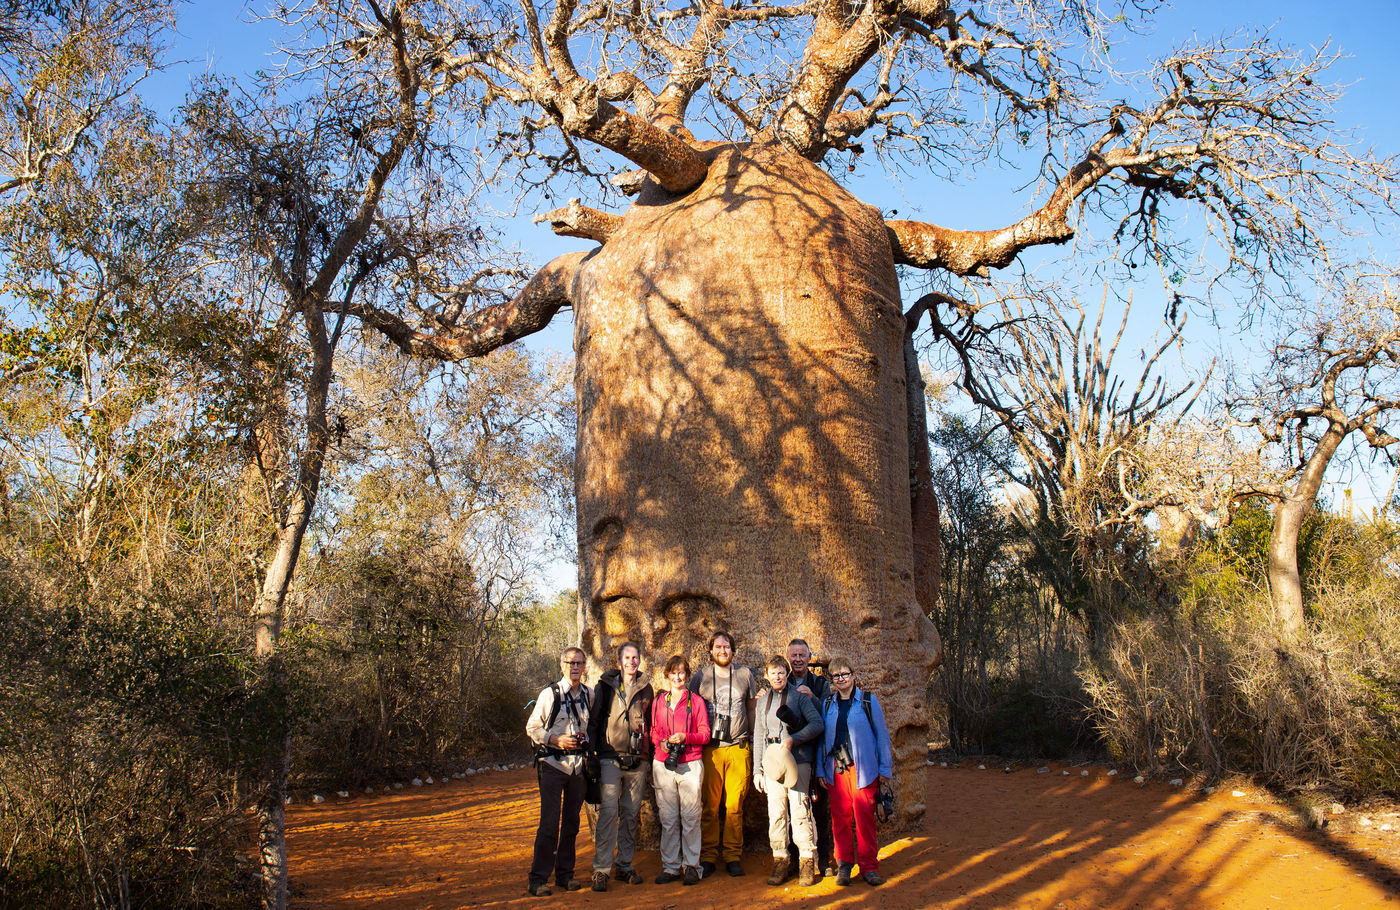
[(853, 807), (727, 773)]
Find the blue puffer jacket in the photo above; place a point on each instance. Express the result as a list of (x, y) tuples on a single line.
[(870, 749)]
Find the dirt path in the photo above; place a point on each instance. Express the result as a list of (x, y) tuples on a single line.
[(998, 840)]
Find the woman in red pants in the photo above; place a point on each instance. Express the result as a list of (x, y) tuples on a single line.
[(856, 758)]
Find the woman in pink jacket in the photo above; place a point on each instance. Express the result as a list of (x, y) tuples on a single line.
[(680, 727)]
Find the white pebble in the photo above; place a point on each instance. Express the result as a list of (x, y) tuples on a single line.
[(398, 786), (1139, 779), (1237, 794), (1065, 773), (1083, 773), (286, 800), (1176, 782), (343, 794), (430, 780), (502, 768), (417, 782), (318, 798), (979, 768), (1042, 770), (1112, 771), (943, 764)]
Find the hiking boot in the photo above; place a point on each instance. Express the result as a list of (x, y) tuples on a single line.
[(780, 870), (843, 874), (629, 876), (541, 890), (570, 884), (692, 876), (873, 879), (734, 868), (707, 869), (807, 872), (665, 878), (600, 881)]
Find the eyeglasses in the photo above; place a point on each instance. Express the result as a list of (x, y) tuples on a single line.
[(843, 675), (574, 663)]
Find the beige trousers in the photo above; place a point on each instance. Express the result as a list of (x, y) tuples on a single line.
[(678, 811), (792, 805)]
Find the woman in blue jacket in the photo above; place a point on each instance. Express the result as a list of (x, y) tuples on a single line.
[(856, 757)]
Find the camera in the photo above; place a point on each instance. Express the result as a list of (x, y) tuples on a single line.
[(582, 746), (884, 803), (674, 751), (719, 731)]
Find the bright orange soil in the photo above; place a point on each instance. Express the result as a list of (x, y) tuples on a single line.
[(1022, 839)]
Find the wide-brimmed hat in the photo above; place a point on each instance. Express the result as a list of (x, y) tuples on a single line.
[(779, 766)]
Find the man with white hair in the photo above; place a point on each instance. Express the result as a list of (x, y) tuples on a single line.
[(558, 728)]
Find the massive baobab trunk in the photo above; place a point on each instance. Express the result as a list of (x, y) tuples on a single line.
[(743, 454)]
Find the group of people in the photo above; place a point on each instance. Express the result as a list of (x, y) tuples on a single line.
[(815, 746)]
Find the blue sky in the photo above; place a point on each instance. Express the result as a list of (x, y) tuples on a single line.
[(220, 37)]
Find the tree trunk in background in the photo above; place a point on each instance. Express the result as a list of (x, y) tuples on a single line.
[(270, 611), (743, 443), (1285, 581)]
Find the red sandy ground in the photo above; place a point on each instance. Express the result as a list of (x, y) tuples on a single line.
[(993, 840)]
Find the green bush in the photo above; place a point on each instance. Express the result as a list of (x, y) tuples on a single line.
[(122, 733)]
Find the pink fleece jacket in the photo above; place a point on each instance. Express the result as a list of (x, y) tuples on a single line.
[(689, 715)]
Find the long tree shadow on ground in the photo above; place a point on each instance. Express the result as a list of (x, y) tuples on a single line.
[(992, 840)]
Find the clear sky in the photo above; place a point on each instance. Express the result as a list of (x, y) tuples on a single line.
[(222, 37)]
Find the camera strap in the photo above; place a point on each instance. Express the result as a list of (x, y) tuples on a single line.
[(670, 713)]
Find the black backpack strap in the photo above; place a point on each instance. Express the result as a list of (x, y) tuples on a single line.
[(554, 711)]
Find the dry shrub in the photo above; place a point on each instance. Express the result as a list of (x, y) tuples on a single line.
[(1219, 692)]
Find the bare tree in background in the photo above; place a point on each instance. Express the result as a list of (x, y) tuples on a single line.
[(1333, 374), (1087, 438)]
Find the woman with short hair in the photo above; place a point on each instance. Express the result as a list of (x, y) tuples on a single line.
[(855, 759), (680, 727), (787, 736)]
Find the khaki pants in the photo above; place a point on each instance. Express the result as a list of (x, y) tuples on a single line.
[(794, 803), (615, 838), (727, 773), (678, 811)]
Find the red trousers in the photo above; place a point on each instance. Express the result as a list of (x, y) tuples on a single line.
[(853, 806)]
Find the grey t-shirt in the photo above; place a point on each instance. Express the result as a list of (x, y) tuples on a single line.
[(732, 697)]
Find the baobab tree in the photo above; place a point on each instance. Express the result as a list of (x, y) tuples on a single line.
[(744, 446)]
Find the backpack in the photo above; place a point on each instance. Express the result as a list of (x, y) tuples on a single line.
[(587, 704), (542, 751)]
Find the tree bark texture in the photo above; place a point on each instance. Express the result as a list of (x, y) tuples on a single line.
[(743, 449), (1285, 581)]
